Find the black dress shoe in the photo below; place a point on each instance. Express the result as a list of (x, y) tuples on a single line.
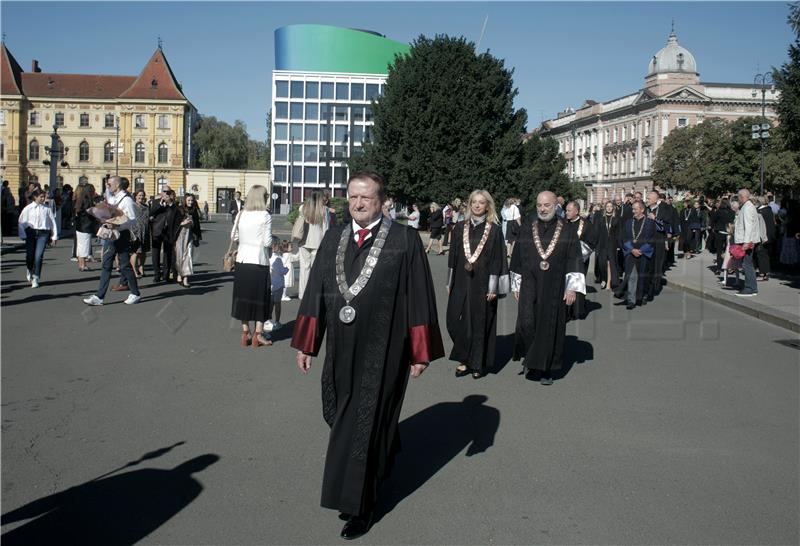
[(546, 381), (640, 303), (477, 375), (462, 373), (619, 295), (156, 279), (356, 526), (630, 306)]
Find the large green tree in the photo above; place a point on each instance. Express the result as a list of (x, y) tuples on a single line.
[(446, 125), (223, 146), (787, 80)]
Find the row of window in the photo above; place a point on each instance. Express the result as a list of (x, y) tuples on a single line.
[(139, 120), (310, 153), (617, 134), (310, 175), (327, 90), (620, 164), (325, 111), (311, 132), (138, 182), (108, 151)]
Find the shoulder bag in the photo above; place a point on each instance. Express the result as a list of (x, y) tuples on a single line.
[(229, 259)]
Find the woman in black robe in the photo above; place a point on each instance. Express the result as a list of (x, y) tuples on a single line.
[(690, 228), (473, 286), (608, 236)]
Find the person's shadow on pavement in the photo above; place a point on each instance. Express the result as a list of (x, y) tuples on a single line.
[(431, 439), (121, 509)]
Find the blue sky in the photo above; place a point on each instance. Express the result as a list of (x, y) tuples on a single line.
[(562, 52)]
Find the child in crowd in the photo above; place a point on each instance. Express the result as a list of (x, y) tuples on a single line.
[(289, 257), (277, 272)]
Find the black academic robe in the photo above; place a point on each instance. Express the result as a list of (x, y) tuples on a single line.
[(606, 250), (367, 362), (644, 243), (690, 223), (471, 320), (587, 233), (542, 315), (665, 220)]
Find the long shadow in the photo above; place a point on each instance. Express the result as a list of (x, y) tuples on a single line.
[(591, 306), (284, 333), (431, 439), (576, 351), (121, 509), (503, 352)]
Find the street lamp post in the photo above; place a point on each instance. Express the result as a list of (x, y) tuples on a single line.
[(761, 131), (116, 150), (574, 153), (56, 158)]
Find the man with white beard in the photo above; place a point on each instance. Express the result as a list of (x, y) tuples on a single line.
[(546, 273)]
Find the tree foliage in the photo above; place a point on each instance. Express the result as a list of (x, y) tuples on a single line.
[(446, 125), (222, 146), (787, 81)]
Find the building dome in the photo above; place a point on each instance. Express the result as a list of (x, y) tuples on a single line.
[(672, 58)]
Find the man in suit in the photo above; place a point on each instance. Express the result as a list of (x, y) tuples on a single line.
[(164, 225), (236, 205)]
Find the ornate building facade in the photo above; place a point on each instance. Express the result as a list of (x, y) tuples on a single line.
[(137, 126), (610, 146)]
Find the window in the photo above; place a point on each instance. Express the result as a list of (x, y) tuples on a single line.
[(310, 153), (358, 113), (279, 173), (281, 110), (2, 117), (161, 183), (325, 175), (33, 150), (368, 113), (280, 152), (2, 150), (340, 152), (624, 132), (138, 184), (83, 180), (647, 128), (297, 90), (616, 133), (310, 174), (163, 121), (327, 90), (683, 122), (341, 113), (312, 90), (296, 110), (297, 153), (59, 119), (367, 134), (281, 131), (296, 131), (84, 120), (358, 134), (61, 150), (139, 153), (312, 111), (340, 134), (342, 91), (109, 121), (357, 91), (312, 132), (324, 133), (83, 151), (297, 174), (162, 152), (372, 91), (108, 153), (340, 175), (34, 119), (282, 89), (139, 121), (647, 161)]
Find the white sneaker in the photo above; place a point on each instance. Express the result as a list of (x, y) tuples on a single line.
[(286, 298), (73, 259), (276, 326), (268, 326), (131, 299), (35, 282), (29, 275), (93, 300)]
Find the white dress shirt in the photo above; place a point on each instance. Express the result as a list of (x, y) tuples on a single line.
[(124, 202), (253, 230), (356, 227), (36, 216), (747, 227)]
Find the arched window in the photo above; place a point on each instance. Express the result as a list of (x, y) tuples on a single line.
[(33, 150), (162, 152), (2, 150), (83, 151), (108, 152), (83, 180), (33, 178), (109, 121), (139, 155), (161, 184), (138, 183), (61, 151)]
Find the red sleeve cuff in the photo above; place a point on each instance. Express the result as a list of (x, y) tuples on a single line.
[(426, 343), (305, 334)]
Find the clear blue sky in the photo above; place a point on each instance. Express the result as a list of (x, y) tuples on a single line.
[(562, 53)]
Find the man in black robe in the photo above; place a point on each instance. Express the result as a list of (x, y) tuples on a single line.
[(637, 245), (587, 235), (474, 283), (543, 279), (371, 288), (661, 213)]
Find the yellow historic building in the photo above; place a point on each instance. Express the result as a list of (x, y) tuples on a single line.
[(137, 126)]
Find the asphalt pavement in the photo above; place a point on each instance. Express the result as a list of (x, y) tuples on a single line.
[(676, 423)]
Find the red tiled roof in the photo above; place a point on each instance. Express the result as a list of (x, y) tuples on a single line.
[(10, 72), (156, 81), (84, 86)]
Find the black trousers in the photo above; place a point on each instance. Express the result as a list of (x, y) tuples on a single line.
[(656, 266), (720, 245), (169, 257), (762, 258)]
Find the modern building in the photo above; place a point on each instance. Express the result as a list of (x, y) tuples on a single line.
[(323, 85), (610, 146), (137, 126)]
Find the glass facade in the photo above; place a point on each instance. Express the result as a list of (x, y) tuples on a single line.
[(319, 121)]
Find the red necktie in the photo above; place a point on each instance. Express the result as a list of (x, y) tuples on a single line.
[(362, 235)]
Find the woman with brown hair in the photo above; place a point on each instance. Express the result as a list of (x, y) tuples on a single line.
[(85, 224), (140, 234), (188, 238), (316, 216)]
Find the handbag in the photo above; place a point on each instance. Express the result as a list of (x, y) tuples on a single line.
[(737, 251), (229, 259), (299, 229), (107, 234)]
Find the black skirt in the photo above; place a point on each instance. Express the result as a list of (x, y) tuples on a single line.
[(251, 292)]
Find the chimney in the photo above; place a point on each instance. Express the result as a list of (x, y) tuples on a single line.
[(35, 66)]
